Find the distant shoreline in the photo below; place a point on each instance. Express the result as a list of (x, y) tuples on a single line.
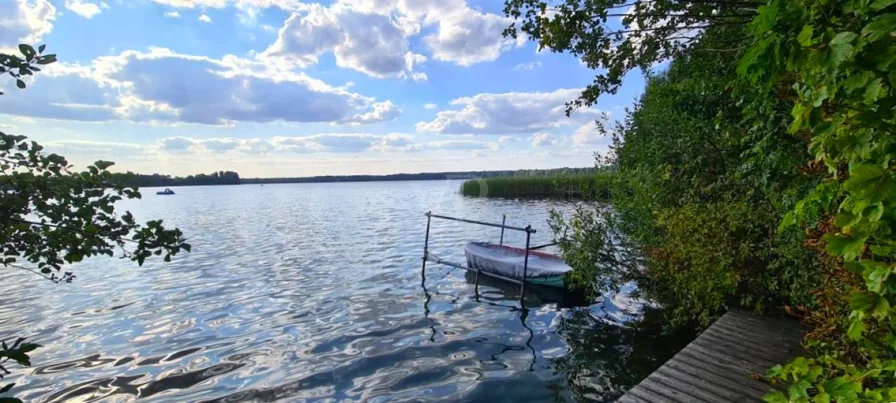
[(167, 181)]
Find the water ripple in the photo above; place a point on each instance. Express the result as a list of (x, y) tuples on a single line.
[(312, 292)]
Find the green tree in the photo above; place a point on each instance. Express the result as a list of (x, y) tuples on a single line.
[(816, 75), (53, 216), (837, 61), (618, 36)]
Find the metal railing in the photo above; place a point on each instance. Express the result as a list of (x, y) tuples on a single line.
[(427, 257)]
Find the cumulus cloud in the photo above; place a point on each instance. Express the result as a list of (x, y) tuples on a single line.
[(75, 95), (205, 18), (396, 141), (161, 85), (589, 134), (430, 106), (172, 14), (544, 140), (83, 8), (467, 37), (25, 21), (382, 111), (508, 113), (373, 36), (369, 42)]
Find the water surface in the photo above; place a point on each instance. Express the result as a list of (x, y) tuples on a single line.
[(313, 291)]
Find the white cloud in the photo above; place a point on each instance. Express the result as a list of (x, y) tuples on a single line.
[(369, 42), (460, 145), (318, 143), (508, 113), (430, 106), (83, 8), (396, 142), (172, 14), (25, 21), (205, 18), (139, 86), (468, 37), (589, 134), (544, 140), (373, 36), (527, 66), (333, 143), (382, 111), (94, 149)]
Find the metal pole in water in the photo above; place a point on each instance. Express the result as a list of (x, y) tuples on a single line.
[(525, 268), (503, 222), (425, 248)]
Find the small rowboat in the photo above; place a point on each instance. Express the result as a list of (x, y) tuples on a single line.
[(506, 261)]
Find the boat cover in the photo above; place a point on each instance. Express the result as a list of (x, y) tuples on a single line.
[(508, 261)]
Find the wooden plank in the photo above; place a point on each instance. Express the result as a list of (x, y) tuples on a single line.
[(718, 365), (745, 386)]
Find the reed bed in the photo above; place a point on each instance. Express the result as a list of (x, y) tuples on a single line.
[(572, 186)]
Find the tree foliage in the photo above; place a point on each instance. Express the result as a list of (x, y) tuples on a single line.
[(839, 61), (618, 36), (26, 64), (52, 216), (757, 169)]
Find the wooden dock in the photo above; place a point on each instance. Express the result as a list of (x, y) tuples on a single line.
[(722, 364)]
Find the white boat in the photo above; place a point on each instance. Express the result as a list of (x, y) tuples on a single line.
[(506, 261)]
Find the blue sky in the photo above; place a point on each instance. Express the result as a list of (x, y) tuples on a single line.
[(291, 88)]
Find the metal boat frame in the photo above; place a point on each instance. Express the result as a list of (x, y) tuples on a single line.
[(427, 257)]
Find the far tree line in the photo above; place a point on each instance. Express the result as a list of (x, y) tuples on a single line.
[(140, 180), (233, 178)]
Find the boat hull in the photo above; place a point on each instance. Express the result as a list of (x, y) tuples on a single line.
[(542, 269)]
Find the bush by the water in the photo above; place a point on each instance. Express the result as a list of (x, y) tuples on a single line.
[(596, 185), (756, 170)]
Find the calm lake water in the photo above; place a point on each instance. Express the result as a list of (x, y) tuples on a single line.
[(313, 292)]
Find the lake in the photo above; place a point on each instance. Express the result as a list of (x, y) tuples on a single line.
[(313, 291)]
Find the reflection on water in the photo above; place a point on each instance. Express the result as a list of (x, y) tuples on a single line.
[(313, 292)]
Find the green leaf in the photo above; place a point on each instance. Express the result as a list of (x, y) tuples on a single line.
[(842, 388), (856, 329), (7, 387), (20, 84), (847, 246), (878, 5), (840, 49), (874, 212), (870, 181), (860, 301), (805, 36), (881, 309), (881, 27), (874, 90), (27, 50), (47, 59), (846, 219), (876, 273), (775, 396), (799, 390)]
